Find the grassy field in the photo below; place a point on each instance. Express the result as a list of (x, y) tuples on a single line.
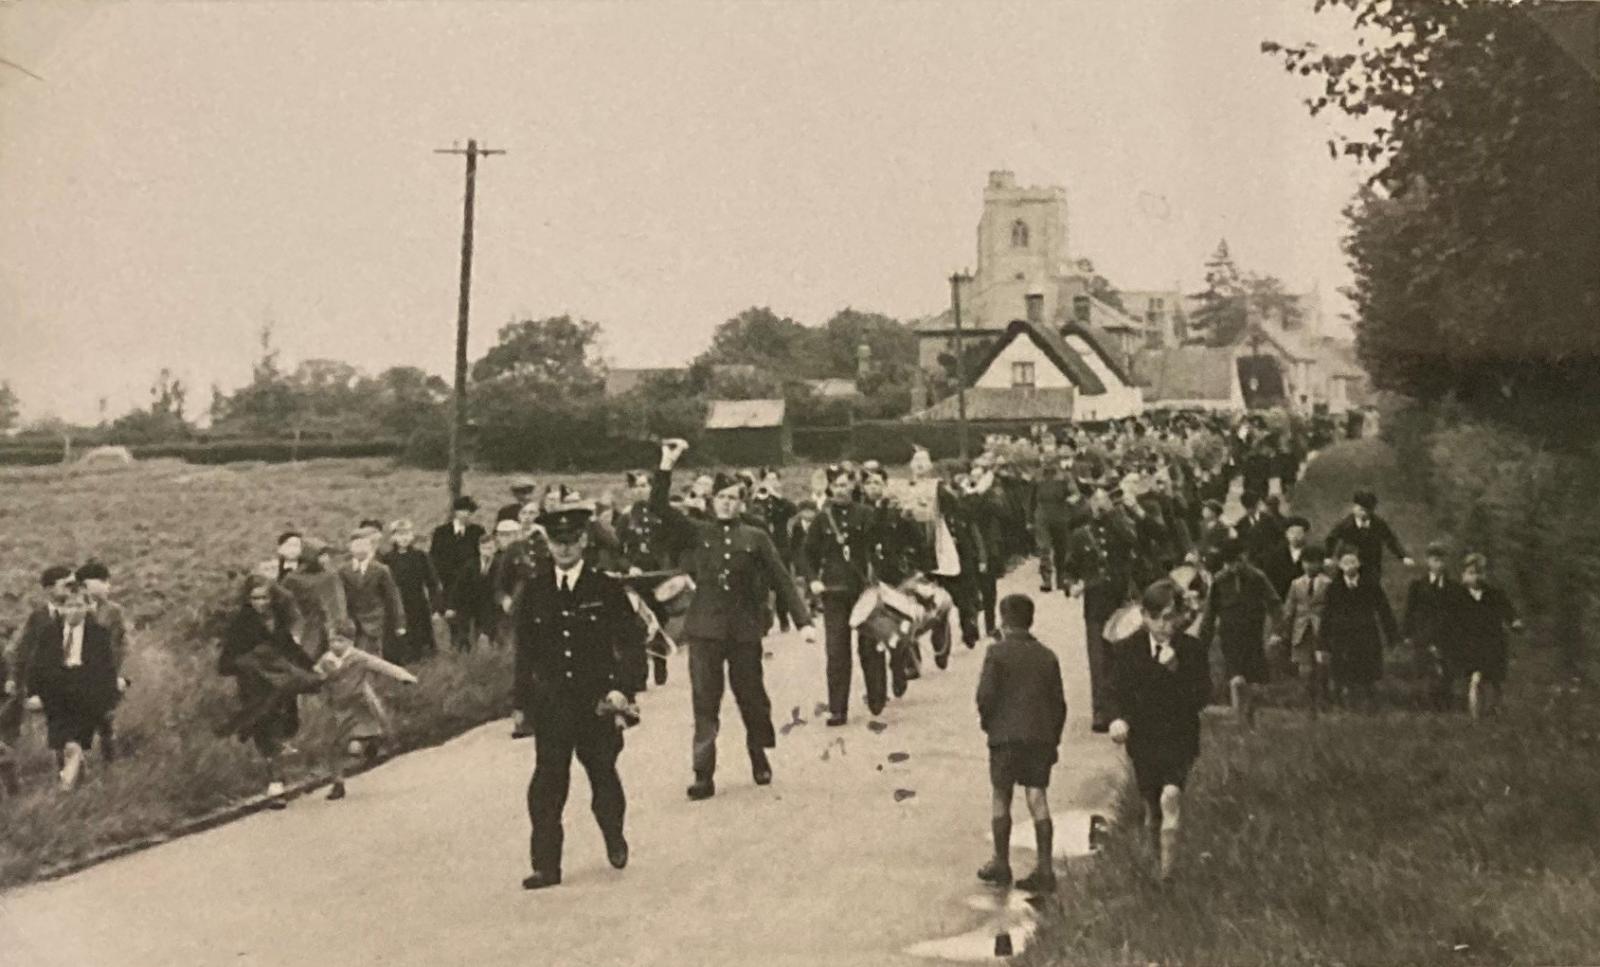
[(1403, 837), (178, 539)]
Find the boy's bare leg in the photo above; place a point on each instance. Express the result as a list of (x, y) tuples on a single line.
[(998, 869), (1043, 876), (1243, 707), (1171, 808), (72, 763), (1475, 696)]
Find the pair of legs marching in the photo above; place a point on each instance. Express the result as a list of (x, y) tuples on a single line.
[(715, 664)]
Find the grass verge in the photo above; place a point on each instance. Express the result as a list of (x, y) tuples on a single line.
[(1403, 837)]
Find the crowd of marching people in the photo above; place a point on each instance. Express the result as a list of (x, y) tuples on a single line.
[(594, 596)]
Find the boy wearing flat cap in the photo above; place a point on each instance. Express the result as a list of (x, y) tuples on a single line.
[(579, 662)]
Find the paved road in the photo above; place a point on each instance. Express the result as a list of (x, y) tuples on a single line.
[(421, 864)]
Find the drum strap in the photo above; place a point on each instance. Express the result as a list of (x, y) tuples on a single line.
[(844, 547)]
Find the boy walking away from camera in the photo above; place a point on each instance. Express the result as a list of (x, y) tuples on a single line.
[(1022, 706), (1160, 681), (1302, 621), (360, 721), (1484, 615)]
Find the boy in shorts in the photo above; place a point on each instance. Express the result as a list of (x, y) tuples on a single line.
[(1022, 706), (1160, 681)]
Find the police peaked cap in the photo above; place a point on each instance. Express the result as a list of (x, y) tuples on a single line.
[(568, 519)]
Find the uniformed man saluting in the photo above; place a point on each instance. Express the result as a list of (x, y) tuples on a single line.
[(734, 566), (579, 662)]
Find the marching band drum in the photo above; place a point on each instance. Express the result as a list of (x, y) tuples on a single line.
[(895, 617)]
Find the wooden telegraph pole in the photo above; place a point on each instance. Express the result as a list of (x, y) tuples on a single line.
[(458, 420), (961, 361)]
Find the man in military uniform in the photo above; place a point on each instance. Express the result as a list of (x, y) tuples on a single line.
[(1100, 561), (898, 552), (643, 550), (773, 511), (734, 567), (835, 560), (579, 662)]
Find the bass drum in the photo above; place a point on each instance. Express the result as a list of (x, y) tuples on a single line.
[(885, 613), (675, 593)]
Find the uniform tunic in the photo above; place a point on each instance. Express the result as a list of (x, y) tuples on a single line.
[(573, 647), (1100, 554)]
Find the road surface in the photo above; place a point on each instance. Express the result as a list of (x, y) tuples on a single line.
[(421, 865)]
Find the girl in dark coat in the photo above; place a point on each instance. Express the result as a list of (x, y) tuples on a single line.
[(271, 671), (1356, 621), (421, 595)]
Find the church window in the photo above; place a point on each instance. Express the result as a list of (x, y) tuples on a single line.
[(1022, 375), (1019, 234)]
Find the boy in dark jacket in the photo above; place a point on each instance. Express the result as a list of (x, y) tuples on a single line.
[(1483, 615), (1160, 681), (1022, 705), (1426, 625)]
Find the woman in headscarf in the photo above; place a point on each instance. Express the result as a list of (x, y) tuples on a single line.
[(271, 671)]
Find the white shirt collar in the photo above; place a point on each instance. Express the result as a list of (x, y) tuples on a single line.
[(568, 577)]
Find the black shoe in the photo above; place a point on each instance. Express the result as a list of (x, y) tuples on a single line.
[(703, 788), (838, 719), (942, 660), (760, 768), (899, 688), (1039, 881), (972, 642), (993, 872), (661, 673), (617, 853), (337, 792), (539, 880), (876, 708)]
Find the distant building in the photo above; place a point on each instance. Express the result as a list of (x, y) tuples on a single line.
[(748, 432), (1037, 372), (833, 388), (620, 382)]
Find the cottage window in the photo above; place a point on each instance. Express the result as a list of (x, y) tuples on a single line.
[(1019, 234), (1022, 375)]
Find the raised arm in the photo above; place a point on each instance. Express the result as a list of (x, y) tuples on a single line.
[(677, 529), (382, 667)]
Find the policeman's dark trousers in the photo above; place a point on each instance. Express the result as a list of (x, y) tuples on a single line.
[(707, 658), (780, 610), (1050, 541), (563, 728), (1100, 602), (988, 584), (837, 635), (965, 594)]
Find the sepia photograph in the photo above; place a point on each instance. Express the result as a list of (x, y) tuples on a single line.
[(1120, 472)]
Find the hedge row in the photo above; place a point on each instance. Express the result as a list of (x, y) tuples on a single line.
[(221, 451)]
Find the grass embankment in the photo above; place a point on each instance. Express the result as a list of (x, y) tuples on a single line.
[(178, 540), (1402, 837)]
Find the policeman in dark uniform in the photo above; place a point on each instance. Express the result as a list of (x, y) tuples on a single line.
[(834, 560), (735, 567), (579, 662), (1100, 557), (773, 511)]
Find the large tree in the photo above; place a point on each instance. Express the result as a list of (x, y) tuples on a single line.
[(557, 357), (1222, 311), (1476, 247)]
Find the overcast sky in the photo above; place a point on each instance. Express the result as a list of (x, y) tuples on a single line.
[(186, 172)]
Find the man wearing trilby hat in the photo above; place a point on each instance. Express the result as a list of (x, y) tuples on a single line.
[(734, 566), (579, 663)]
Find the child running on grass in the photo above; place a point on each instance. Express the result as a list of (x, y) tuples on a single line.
[(360, 720), (1022, 705)]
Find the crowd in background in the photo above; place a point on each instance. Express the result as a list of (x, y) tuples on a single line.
[(1107, 510)]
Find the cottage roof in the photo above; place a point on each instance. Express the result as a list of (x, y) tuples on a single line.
[(744, 414), (1186, 373), (1055, 349)]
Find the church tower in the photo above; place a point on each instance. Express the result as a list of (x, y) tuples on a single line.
[(1022, 246)]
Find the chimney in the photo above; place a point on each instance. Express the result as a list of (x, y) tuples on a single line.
[(1002, 180), (1035, 303)]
